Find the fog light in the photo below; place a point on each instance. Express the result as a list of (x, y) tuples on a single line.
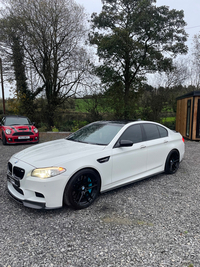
[(9, 139), (36, 138)]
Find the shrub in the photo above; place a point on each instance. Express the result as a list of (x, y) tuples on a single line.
[(54, 129)]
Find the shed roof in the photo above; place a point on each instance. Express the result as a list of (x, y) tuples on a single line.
[(191, 94)]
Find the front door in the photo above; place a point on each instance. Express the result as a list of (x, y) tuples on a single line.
[(128, 162)]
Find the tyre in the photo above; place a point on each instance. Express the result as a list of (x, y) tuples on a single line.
[(172, 162), (82, 189), (3, 139)]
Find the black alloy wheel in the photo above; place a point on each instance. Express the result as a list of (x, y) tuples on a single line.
[(172, 162), (82, 189)]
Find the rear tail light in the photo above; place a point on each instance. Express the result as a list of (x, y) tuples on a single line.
[(183, 139)]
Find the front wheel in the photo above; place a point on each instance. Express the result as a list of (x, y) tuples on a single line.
[(3, 139), (172, 162), (82, 189)]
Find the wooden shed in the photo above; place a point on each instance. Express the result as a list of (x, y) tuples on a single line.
[(188, 115)]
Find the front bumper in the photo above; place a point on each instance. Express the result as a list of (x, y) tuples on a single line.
[(34, 192), (38, 197), (10, 139), (26, 203)]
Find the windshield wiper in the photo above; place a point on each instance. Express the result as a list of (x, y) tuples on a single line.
[(98, 144)]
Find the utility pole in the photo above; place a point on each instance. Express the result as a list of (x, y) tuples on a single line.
[(4, 110)]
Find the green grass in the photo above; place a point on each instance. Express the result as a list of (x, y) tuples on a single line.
[(169, 119)]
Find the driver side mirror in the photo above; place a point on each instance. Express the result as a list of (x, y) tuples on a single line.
[(125, 143)]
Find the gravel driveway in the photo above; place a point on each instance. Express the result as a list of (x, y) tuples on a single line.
[(154, 222)]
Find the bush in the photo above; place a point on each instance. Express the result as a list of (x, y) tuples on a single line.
[(169, 122), (54, 129), (42, 127), (78, 125)]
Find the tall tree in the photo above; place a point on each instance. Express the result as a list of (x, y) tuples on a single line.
[(51, 35), (9, 36), (134, 37)]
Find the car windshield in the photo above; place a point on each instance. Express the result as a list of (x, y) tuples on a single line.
[(96, 133), (16, 121)]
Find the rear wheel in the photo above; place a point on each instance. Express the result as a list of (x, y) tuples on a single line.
[(82, 189), (172, 162)]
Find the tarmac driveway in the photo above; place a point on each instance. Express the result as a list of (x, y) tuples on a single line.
[(154, 222)]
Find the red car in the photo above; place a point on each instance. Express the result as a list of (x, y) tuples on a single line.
[(18, 129)]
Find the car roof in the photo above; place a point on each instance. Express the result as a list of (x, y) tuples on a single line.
[(123, 122), (131, 122)]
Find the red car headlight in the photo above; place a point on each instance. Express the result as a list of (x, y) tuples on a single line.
[(35, 130), (8, 131)]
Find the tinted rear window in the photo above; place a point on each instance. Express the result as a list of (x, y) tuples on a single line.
[(154, 131), (163, 132), (151, 131)]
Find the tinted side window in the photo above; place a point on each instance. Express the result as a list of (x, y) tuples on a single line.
[(151, 131), (163, 132), (133, 133)]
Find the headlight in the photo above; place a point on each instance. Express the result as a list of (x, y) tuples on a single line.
[(35, 130), (8, 131), (44, 173)]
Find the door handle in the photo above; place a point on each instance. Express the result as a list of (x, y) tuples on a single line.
[(165, 141), (143, 147)]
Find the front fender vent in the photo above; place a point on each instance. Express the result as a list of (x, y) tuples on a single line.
[(103, 160)]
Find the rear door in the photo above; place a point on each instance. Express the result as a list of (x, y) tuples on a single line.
[(156, 144)]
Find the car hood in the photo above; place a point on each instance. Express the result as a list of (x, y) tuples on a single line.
[(54, 153), (20, 127)]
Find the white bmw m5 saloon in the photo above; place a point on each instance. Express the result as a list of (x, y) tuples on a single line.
[(100, 156)]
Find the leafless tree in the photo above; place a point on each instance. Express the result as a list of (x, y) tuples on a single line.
[(51, 33), (195, 66), (179, 74)]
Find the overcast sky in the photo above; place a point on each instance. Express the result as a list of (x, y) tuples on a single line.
[(191, 10)]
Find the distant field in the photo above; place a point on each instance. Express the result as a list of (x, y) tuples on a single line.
[(86, 104)]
